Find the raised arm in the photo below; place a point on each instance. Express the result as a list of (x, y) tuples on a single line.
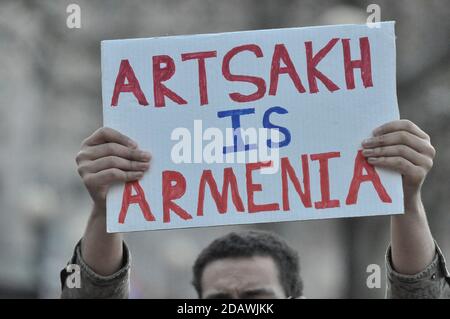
[(106, 157), (402, 146)]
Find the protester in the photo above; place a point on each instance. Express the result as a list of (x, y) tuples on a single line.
[(258, 264)]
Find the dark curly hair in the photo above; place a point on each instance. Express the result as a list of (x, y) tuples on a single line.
[(250, 244)]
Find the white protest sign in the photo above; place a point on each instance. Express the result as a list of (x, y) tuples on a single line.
[(252, 127)]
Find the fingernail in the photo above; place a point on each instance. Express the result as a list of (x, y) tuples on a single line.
[(144, 165), (367, 152), (371, 159), (132, 144), (367, 141), (145, 156), (137, 175)]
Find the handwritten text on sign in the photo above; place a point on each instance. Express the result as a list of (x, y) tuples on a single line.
[(250, 127)]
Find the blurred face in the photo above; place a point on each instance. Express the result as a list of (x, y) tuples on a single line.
[(242, 278)]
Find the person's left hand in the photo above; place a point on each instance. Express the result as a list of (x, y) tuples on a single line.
[(401, 146)]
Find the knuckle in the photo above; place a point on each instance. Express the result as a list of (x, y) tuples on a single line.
[(102, 131), (110, 148), (111, 161), (106, 132), (402, 150), (84, 142), (111, 174), (429, 164), (89, 179), (115, 173), (132, 153), (403, 137), (82, 168), (97, 133), (399, 163), (80, 156), (433, 151), (408, 124)]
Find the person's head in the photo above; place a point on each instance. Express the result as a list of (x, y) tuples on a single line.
[(250, 264)]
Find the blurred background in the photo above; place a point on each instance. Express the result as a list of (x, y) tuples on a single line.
[(50, 100)]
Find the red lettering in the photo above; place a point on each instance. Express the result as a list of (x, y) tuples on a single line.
[(364, 64), (323, 158), (221, 199), (251, 188), (258, 82), (126, 73), (287, 170), (371, 176), (202, 82), (161, 74), (139, 198), (312, 61), (281, 54), (171, 191)]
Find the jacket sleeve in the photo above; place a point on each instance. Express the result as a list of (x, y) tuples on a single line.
[(432, 282), (78, 280)]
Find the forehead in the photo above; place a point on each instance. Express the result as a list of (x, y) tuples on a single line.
[(240, 274)]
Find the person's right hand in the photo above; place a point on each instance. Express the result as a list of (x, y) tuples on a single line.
[(107, 157)]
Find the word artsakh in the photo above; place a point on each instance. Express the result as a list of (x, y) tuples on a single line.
[(164, 68)]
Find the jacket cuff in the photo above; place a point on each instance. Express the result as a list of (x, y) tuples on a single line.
[(424, 284), (436, 268), (94, 285)]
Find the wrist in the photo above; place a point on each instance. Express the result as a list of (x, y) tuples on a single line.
[(413, 208), (412, 201), (98, 210)]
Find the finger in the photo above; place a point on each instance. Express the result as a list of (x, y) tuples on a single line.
[(112, 175), (112, 149), (400, 125), (105, 163), (396, 163), (106, 134), (402, 151), (400, 138)]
